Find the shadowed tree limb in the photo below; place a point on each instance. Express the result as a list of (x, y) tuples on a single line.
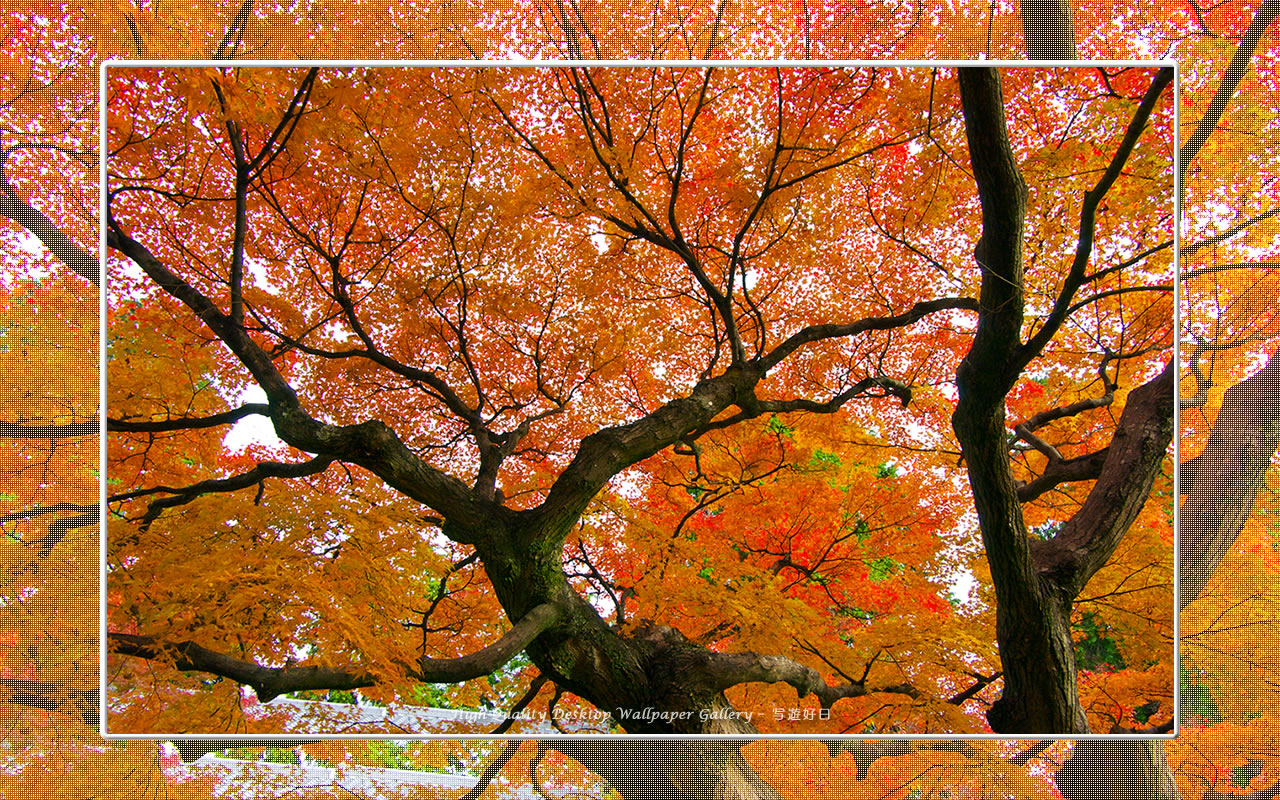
[(77, 259), (270, 682)]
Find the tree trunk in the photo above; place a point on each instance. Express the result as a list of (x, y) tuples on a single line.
[(1048, 30), (698, 769), (1116, 769)]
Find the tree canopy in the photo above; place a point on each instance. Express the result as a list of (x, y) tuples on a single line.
[(652, 375), (48, 429)]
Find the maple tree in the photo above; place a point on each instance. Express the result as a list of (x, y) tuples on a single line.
[(451, 274), (1211, 36)]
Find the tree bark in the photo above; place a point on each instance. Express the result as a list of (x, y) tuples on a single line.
[(697, 769), (1036, 651), (1048, 30), (1219, 491), (1116, 769)]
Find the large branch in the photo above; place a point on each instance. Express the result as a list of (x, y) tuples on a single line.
[(1230, 82), (603, 454), (371, 444), (867, 751), (52, 696), (267, 682), (79, 260), (1230, 471), (815, 333), (730, 669), (1133, 460), (867, 387), (186, 423), (68, 430), (270, 682), (83, 516), (185, 494), (1067, 470)]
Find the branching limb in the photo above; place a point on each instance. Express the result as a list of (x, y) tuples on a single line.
[(1236, 229), (1063, 470), (867, 387), (51, 696), (267, 682), (185, 494), (1227, 476), (442, 591), (1059, 470), (521, 705), (495, 767), (231, 40), (1063, 306), (867, 751), (82, 516), (980, 682), (1133, 459), (815, 333), (270, 682), (371, 444), (68, 430), (186, 423), (730, 669)]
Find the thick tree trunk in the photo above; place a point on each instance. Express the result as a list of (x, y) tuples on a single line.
[(689, 769), (1036, 651), (1048, 30), (1116, 770)]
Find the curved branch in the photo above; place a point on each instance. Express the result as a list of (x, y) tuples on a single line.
[(69, 430), (867, 751), (1062, 307), (482, 662), (1231, 79), (270, 682), (754, 408), (185, 494), (814, 333), (1068, 470), (267, 682), (371, 444), (1228, 474), (187, 423), (86, 516), (730, 669)]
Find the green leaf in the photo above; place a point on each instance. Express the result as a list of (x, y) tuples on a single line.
[(1096, 650), (778, 428), (824, 460), (883, 568)]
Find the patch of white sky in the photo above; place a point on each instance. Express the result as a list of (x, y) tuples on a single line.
[(255, 429), (34, 262)]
